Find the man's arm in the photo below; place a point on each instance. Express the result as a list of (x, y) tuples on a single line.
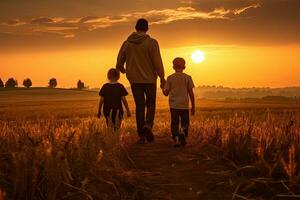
[(126, 106), (100, 106), (158, 64), (192, 98), (121, 59)]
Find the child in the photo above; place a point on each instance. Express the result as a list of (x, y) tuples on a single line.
[(112, 95), (179, 87)]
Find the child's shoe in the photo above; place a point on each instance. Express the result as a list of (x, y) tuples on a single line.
[(177, 143), (182, 140), (142, 140)]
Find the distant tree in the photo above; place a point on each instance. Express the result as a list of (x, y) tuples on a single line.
[(80, 85), (1, 83), (27, 83), (52, 83), (11, 83)]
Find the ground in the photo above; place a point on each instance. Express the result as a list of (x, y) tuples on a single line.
[(178, 173)]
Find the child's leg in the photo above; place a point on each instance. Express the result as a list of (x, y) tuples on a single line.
[(185, 121), (116, 119), (107, 120), (174, 122)]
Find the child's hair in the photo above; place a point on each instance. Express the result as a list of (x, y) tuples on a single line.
[(113, 74), (179, 63)]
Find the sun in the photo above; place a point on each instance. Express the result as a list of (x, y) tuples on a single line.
[(198, 56)]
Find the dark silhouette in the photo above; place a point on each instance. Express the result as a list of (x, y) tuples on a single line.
[(80, 85), (1, 83), (113, 94), (52, 83), (141, 54), (27, 83), (11, 83)]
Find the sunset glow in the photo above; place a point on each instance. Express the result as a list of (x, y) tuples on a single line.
[(198, 56), (231, 40)]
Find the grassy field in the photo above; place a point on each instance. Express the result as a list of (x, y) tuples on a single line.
[(39, 102), (53, 147)]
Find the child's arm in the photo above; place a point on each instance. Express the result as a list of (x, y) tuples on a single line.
[(100, 106), (192, 98), (126, 106)]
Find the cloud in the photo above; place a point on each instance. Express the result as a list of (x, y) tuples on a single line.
[(210, 5), (166, 16), (189, 2), (241, 10), (182, 13), (93, 23), (69, 27), (14, 22), (69, 36), (251, 22), (88, 19), (41, 21)]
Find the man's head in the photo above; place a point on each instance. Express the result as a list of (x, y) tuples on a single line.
[(142, 25), (179, 64)]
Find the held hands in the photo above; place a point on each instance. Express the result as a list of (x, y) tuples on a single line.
[(193, 111), (122, 70), (162, 83)]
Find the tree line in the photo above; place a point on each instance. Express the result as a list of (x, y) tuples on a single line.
[(13, 83)]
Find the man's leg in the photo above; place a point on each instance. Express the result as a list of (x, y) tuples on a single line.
[(139, 99), (150, 91), (174, 123)]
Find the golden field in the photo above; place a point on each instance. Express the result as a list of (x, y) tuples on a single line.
[(53, 147)]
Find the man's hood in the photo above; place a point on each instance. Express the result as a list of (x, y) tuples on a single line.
[(137, 37)]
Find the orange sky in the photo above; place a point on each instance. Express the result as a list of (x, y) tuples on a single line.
[(246, 42), (233, 66)]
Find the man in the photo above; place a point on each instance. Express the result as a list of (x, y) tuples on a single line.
[(143, 61)]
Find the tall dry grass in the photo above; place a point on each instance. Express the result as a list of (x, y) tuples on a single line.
[(62, 159), (262, 146)]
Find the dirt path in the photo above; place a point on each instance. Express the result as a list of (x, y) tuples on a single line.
[(178, 173)]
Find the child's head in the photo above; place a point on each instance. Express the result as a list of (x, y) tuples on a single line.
[(179, 64), (113, 75)]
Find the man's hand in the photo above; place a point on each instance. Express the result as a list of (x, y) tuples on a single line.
[(193, 111), (122, 70), (162, 83), (99, 115), (128, 113)]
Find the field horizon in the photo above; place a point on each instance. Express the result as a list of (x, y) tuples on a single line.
[(208, 92)]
